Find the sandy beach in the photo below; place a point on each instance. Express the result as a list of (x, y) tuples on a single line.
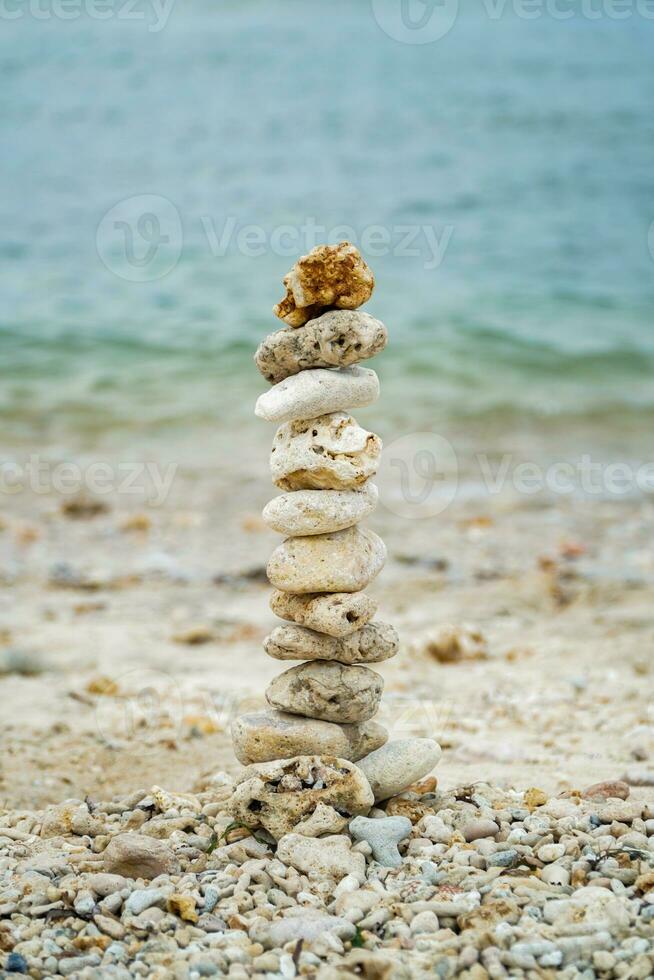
[(131, 635), (449, 208)]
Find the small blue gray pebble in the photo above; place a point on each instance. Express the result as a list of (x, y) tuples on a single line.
[(16, 963), (383, 835)]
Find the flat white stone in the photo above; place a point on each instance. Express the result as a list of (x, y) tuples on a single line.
[(312, 393), (304, 512)]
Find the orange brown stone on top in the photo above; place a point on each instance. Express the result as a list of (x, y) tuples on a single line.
[(329, 277)]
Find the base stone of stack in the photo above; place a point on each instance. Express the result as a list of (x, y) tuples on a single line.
[(280, 795), (268, 735), (345, 561), (328, 691), (304, 512), (372, 644), (335, 613), (331, 452)]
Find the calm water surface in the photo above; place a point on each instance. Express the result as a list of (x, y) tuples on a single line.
[(509, 166)]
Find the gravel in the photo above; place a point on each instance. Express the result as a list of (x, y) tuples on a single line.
[(564, 888)]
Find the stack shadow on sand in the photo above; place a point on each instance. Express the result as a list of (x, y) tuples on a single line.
[(301, 755)]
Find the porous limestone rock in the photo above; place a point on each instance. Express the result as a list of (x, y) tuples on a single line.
[(327, 690), (139, 856), (305, 512), (279, 795), (332, 452), (371, 644), (383, 834), (397, 764), (334, 613), (307, 925), (345, 561), (330, 275), (321, 858), (324, 820), (335, 339), (318, 392), (267, 735)]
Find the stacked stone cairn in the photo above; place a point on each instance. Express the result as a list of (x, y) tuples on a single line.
[(317, 759)]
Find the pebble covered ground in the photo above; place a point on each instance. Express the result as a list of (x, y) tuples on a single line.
[(555, 691), (492, 883), (127, 645)]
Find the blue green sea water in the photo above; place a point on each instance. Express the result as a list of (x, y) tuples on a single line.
[(158, 180)]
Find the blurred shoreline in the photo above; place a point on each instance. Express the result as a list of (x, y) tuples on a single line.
[(90, 399)]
